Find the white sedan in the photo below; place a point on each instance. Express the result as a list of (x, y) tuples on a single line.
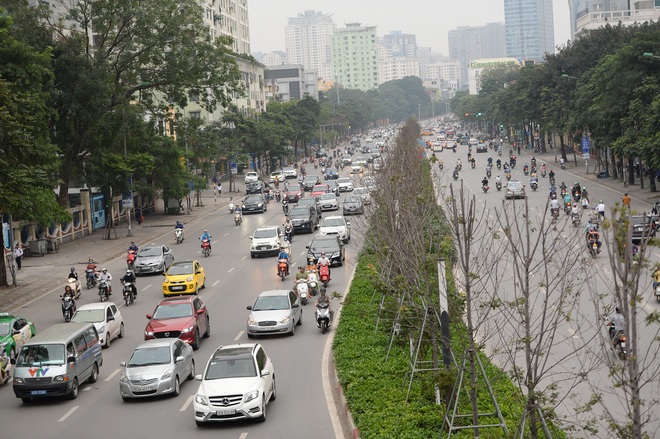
[(251, 177), (328, 202), (106, 318)]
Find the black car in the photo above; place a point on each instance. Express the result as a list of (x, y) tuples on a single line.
[(254, 187), (644, 226), (331, 245), (254, 203), (309, 182), (331, 174), (305, 218)]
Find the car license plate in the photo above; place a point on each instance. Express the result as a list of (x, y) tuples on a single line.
[(178, 288), (144, 389), (37, 392), (261, 247), (225, 412)]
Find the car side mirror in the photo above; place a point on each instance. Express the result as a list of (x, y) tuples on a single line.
[(348, 223), (265, 372), (122, 363), (15, 332), (295, 305), (250, 236), (178, 359), (200, 312), (71, 359), (198, 378), (249, 307), (149, 316), (12, 361), (111, 318)]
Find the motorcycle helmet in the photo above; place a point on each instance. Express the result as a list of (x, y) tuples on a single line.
[(73, 269), (129, 272), (105, 270), (286, 238), (322, 253), (584, 188), (617, 310), (178, 222), (301, 268), (323, 291)]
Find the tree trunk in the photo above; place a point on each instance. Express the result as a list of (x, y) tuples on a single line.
[(3, 266), (63, 196), (631, 171), (562, 147), (641, 175), (652, 180)]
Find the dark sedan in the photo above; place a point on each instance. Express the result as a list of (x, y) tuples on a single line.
[(331, 174), (304, 218), (254, 187), (310, 181), (353, 205), (254, 203), (331, 245)]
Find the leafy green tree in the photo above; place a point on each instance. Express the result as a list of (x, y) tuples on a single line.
[(28, 159)]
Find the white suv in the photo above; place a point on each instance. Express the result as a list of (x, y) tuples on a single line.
[(266, 240), (238, 382), (336, 225), (251, 177)]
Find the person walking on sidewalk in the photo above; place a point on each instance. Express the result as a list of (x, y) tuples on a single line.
[(626, 200), (18, 256)]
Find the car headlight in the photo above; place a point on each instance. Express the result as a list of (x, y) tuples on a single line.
[(149, 333), (124, 379), (335, 255), (251, 321), (166, 281), (260, 204), (285, 320), (60, 378), (166, 375), (201, 399), (190, 278), (18, 380), (189, 329), (252, 395), (101, 330)]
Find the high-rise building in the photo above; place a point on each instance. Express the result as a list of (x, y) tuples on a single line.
[(399, 45), (397, 57), (529, 29), (448, 72), (592, 14), (308, 37), (290, 82), (230, 18), (275, 58), (354, 57), (468, 43), (424, 57)]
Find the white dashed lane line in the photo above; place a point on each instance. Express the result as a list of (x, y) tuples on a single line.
[(69, 413), (230, 270), (147, 287), (226, 234), (112, 375), (215, 283), (238, 337), (186, 404), (243, 435)]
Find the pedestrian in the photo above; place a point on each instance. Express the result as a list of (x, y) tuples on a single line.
[(626, 200), (138, 215), (219, 188), (18, 255)]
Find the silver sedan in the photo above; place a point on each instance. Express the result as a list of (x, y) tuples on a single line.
[(154, 259), (156, 367)]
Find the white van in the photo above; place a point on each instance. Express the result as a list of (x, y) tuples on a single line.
[(473, 141), (57, 361)]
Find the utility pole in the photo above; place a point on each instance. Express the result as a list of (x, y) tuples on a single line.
[(129, 234)]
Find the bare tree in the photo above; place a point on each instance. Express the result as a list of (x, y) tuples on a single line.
[(541, 307), (627, 390)]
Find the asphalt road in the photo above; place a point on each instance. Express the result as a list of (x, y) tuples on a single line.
[(233, 282), (584, 330)]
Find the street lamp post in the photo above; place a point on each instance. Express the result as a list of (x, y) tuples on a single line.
[(419, 112)]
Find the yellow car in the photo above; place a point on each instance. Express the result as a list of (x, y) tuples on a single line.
[(184, 278)]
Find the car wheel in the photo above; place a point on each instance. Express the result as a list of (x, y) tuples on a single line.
[(273, 396), (121, 331), (262, 418), (252, 255), (73, 394), (177, 387), (195, 343), (191, 376), (204, 284), (250, 335), (199, 423), (293, 330), (300, 319), (107, 340), (95, 374), (208, 328), (196, 290)]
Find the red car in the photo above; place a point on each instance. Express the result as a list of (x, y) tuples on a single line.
[(185, 317), (294, 194), (319, 190)]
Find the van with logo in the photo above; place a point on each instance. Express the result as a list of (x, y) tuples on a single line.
[(57, 361)]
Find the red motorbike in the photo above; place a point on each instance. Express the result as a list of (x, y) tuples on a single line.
[(206, 247), (130, 259), (324, 275), (282, 268)]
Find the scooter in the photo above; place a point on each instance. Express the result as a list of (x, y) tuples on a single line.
[(303, 290), (323, 317), (485, 188), (103, 290), (90, 274), (585, 203), (324, 274), (238, 218), (282, 265), (206, 247), (130, 259), (313, 282), (576, 219), (543, 173), (498, 186), (129, 294), (593, 248), (534, 185), (231, 207), (285, 207), (288, 233), (473, 164), (618, 342), (178, 235), (68, 307), (555, 213), (488, 173), (75, 285)]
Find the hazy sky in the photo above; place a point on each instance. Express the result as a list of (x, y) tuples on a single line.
[(429, 20)]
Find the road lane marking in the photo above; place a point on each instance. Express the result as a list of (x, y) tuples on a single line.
[(112, 375), (658, 255), (69, 413), (214, 242), (302, 253), (238, 337), (86, 389), (226, 234), (215, 283), (230, 270), (186, 404), (147, 287), (243, 435), (243, 258)]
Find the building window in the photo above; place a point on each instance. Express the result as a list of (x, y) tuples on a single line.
[(195, 114)]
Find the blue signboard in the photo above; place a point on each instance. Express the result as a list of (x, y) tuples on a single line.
[(586, 142), (98, 211)]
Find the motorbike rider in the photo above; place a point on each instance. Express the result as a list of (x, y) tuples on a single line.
[(301, 274), (498, 163), (616, 323), (288, 224), (283, 256), (205, 235), (551, 175), (525, 168), (130, 277), (69, 292), (567, 200), (543, 168), (91, 265), (484, 182), (455, 175), (441, 163), (576, 190), (554, 205), (105, 276), (490, 161), (498, 180), (323, 299), (459, 166), (323, 262), (73, 274), (594, 236), (585, 194), (179, 225), (534, 179), (533, 161), (575, 211), (601, 209), (473, 162), (133, 247)]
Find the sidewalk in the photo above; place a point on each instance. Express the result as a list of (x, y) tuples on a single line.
[(642, 199), (40, 275)]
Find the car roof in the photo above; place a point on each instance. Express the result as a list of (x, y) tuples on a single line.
[(6, 317), (156, 342), (176, 299), (235, 350), (96, 305), (271, 293), (181, 263), (333, 217), (266, 228)]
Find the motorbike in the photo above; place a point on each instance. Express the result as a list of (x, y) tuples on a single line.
[(303, 290), (585, 203), (577, 196), (593, 248), (562, 164), (459, 167), (90, 275), (75, 285), (178, 235), (499, 166), (313, 282), (278, 196), (534, 185), (129, 294), (324, 275), (567, 208), (485, 188), (552, 181), (498, 186), (68, 307), (618, 342), (526, 171), (285, 207), (656, 291), (508, 176), (441, 166), (206, 247), (231, 207), (488, 173), (543, 173), (238, 218), (562, 192), (555, 213), (455, 175), (282, 265), (473, 164), (103, 290), (323, 317), (576, 219), (130, 259), (288, 233)]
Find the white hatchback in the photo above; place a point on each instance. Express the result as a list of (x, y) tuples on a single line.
[(328, 202), (251, 177), (266, 240), (106, 318), (336, 225)]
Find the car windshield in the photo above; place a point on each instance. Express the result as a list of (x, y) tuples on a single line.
[(177, 269), (230, 368), (320, 188), (333, 222), (516, 185), (361, 191), (41, 355), (88, 316), (172, 311), (319, 245), (256, 199), (5, 327), (150, 356), (149, 251), (311, 178), (331, 170), (299, 212), (271, 303), (349, 200), (307, 201), (265, 233), (343, 180), (328, 197), (289, 169)]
